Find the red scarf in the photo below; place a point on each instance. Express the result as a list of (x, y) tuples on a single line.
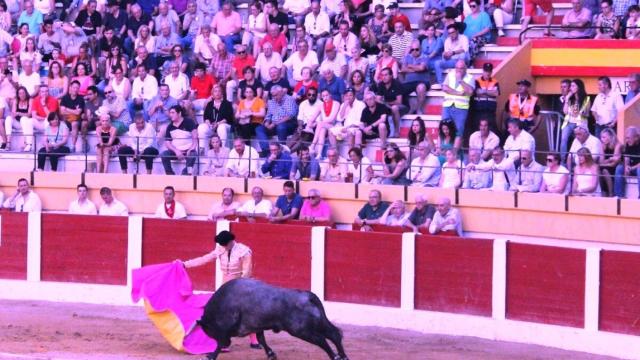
[(171, 209), (328, 105)]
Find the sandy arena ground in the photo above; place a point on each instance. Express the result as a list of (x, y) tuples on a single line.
[(44, 330)]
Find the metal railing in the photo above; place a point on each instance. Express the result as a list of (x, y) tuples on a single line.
[(549, 28)]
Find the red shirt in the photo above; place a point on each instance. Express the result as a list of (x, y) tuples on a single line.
[(402, 18), (240, 63), (202, 87), (36, 105), (278, 43)]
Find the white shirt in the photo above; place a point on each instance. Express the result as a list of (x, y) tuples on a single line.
[(360, 173), (263, 65), (30, 82), (502, 176), (606, 107), (179, 212), (116, 208), (241, 165), (345, 45), (552, 179), (295, 63), (336, 65), (86, 207), (296, 6), (307, 111), (353, 115), (28, 203), (317, 25), (462, 43), (439, 219), (528, 178), (592, 143), (201, 47), (513, 145), (178, 86), (140, 139), (476, 179), (145, 89), (264, 207), (490, 143), (421, 171)]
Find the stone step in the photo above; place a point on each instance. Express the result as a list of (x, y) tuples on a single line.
[(508, 41)]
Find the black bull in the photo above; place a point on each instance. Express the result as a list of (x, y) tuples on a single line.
[(244, 306)]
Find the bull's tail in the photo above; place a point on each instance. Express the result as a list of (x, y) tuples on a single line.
[(313, 298)]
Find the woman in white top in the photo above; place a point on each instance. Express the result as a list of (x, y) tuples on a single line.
[(633, 23), (555, 176), (145, 39), (217, 157), (586, 175), (450, 176), (328, 116), (119, 83), (256, 28), (359, 169), (31, 53)]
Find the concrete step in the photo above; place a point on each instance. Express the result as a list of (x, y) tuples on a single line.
[(494, 52), (508, 41)]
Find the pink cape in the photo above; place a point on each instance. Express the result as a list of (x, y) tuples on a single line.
[(172, 306)]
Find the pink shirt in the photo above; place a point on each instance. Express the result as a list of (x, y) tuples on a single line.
[(226, 25), (322, 210)]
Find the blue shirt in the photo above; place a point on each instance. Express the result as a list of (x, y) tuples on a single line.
[(630, 96), (336, 87), (34, 21), (286, 206), (287, 108), (436, 47), (422, 76), (475, 24), (310, 170), (279, 168)]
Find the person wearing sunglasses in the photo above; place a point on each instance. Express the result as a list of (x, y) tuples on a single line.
[(315, 209), (414, 73), (478, 27), (529, 176), (555, 177)]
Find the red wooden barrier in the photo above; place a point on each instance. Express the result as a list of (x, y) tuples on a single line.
[(13, 246), (363, 267), (454, 274), (619, 292), (545, 284), (385, 228), (85, 249), (281, 253), (165, 240), (264, 220)]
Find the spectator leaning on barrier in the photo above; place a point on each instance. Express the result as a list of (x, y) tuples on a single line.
[(446, 219), (170, 208), (82, 206), (24, 199), (359, 169), (631, 165), (502, 171), (576, 21), (288, 205), (257, 206), (314, 208), (138, 145), (225, 208), (529, 175), (111, 206), (421, 216), (372, 210), (334, 169)]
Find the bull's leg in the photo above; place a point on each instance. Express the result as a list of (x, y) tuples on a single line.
[(336, 339), (318, 340), (213, 355), (263, 341)]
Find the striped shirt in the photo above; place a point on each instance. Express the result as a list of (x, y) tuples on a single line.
[(400, 44)]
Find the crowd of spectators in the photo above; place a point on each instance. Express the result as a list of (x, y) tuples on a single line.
[(184, 80), (312, 209)]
